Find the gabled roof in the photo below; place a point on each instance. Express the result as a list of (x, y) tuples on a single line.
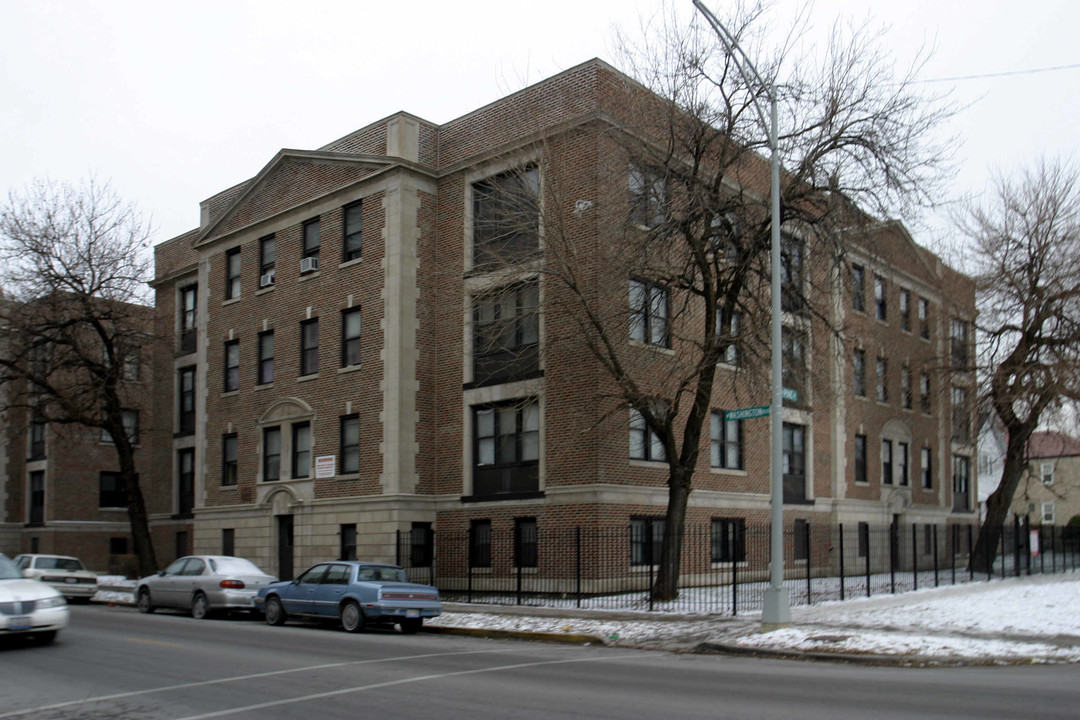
[(1052, 445)]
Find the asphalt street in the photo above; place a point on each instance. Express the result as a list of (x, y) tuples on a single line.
[(114, 663)]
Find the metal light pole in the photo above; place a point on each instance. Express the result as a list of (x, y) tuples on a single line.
[(777, 608)]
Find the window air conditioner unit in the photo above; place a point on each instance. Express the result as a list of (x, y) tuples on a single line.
[(267, 279), (309, 264)]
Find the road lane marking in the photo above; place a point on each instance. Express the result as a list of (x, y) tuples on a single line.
[(154, 642), (404, 681), (240, 678)]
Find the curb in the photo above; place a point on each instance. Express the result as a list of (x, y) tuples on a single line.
[(912, 661), (565, 638)]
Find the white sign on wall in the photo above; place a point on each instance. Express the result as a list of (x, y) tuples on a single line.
[(325, 466)]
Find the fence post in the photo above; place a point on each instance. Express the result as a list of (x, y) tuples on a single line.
[(809, 555), (397, 548), (516, 539), (868, 556), (469, 559), (894, 550), (915, 556), (577, 562), (1042, 550), (936, 583), (734, 588), (433, 558), (1003, 526), (840, 535)]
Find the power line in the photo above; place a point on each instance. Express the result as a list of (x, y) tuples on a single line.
[(984, 76)]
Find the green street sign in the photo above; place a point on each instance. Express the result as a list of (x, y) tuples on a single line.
[(790, 394), (747, 413)]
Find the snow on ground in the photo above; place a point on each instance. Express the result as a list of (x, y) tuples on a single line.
[(1028, 619)]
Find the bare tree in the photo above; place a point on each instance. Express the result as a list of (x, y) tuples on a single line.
[(74, 276), (679, 222), (1025, 252)]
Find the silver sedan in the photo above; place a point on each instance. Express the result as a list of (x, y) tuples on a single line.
[(202, 584)]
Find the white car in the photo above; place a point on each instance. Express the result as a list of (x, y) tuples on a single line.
[(65, 573), (202, 584), (28, 606)]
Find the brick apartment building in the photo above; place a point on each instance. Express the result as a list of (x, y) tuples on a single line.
[(60, 486), (329, 394)]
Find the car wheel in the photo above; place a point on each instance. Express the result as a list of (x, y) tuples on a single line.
[(144, 603), (44, 638), (275, 612), (352, 617), (411, 626), (200, 607)]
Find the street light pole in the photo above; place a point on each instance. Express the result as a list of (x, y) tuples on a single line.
[(776, 610)]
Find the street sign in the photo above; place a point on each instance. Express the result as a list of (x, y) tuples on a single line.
[(790, 394), (747, 413)]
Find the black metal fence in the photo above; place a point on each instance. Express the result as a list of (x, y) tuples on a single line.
[(725, 564)]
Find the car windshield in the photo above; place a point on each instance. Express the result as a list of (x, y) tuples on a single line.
[(8, 571), (235, 566)]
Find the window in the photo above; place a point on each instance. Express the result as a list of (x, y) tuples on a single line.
[(301, 450), (794, 463), (354, 222), (858, 363), (525, 542), (188, 309), (864, 539), (350, 444), (228, 541), (858, 288), (271, 454), (266, 357), (648, 197), (112, 491), (882, 380), (267, 260), (880, 298), (728, 540), (130, 419), (185, 486), (886, 462), (1048, 513), (480, 543), (186, 404), (347, 534), (732, 352), (350, 337), (905, 310), (130, 364), (926, 468), (961, 421), (961, 482), (905, 387), (506, 217), (801, 539), (726, 442), (421, 544), (924, 393), (232, 274), (646, 540), (36, 515), (902, 453), (37, 441), (312, 240), (924, 318), (309, 347), (958, 344), (232, 366), (649, 313), (860, 459), (793, 351), (507, 449), (645, 444), (229, 467), (506, 334), (792, 257), (1046, 471), (118, 546)]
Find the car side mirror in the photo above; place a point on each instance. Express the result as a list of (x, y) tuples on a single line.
[(296, 581), (161, 573)]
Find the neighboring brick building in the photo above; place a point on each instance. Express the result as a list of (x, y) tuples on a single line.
[(329, 393), (60, 487)]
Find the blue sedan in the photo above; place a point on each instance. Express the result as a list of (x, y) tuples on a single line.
[(356, 593)]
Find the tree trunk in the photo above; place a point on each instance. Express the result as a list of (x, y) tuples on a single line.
[(142, 542), (667, 579), (998, 504)]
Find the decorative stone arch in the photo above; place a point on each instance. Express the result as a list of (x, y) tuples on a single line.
[(283, 414), (281, 500), (284, 410)]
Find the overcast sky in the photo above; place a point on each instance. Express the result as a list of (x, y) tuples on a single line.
[(176, 101)]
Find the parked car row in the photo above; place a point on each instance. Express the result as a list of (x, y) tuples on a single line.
[(35, 590)]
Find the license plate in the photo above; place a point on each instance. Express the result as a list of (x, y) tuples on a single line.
[(19, 623), (412, 613), (71, 580)]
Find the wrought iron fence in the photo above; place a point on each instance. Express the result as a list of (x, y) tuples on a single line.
[(724, 567)]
